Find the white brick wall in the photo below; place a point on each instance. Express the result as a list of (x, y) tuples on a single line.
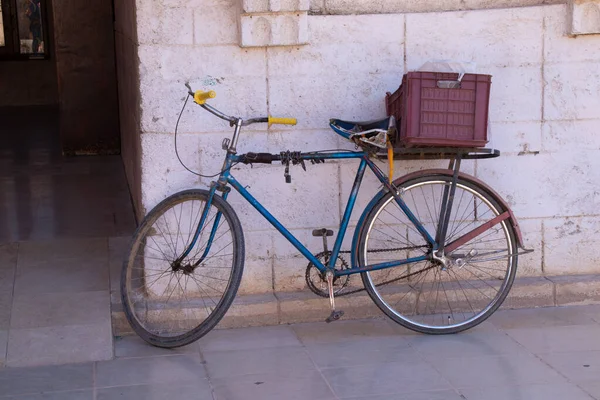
[(544, 99)]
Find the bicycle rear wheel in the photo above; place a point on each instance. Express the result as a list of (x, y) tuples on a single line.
[(169, 303), (427, 296)]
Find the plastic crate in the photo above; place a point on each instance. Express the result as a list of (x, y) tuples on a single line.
[(434, 109)]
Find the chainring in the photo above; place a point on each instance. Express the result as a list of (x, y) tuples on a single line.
[(316, 281)]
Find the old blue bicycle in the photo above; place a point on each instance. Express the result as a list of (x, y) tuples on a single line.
[(437, 249)]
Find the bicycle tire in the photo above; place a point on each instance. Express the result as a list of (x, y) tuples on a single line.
[(148, 230), (411, 313)]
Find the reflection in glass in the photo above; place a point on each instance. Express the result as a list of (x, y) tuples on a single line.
[(30, 27)]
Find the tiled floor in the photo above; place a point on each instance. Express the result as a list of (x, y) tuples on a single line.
[(540, 354), (63, 223)]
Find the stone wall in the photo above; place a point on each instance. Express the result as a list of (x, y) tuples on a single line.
[(126, 44), (545, 117)]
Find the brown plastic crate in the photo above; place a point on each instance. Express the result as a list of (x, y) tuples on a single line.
[(429, 115)]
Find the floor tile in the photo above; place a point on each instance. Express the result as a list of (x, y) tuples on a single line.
[(558, 339), (282, 361), (60, 309), (427, 395), (592, 388), (70, 395), (319, 332), (55, 276), (464, 344), (59, 345), (360, 352), (8, 263), (272, 387), (544, 317), (149, 370), (199, 390), (118, 247), (578, 366), (32, 253), (564, 391), (248, 338), (382, 379), (17, 381), (5, 309), (133, 346), (496, 371), (3, 346)]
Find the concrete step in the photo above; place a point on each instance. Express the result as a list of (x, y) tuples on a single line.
[(294, 307)]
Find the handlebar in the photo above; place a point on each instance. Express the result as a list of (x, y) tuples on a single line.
[(281, 121), (200, 98)]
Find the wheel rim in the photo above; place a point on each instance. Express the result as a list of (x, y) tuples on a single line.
[(168, 299), (427, 295)]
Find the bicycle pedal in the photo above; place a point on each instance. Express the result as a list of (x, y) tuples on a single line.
[(322, 232), (334, 316)]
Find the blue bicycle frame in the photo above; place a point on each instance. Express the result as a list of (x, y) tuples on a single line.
[(226, 178)]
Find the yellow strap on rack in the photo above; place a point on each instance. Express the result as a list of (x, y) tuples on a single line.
[(390, 155)]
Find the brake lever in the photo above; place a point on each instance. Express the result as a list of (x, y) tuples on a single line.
[(190, 92)]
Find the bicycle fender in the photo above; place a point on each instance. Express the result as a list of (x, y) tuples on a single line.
[(427, 172)]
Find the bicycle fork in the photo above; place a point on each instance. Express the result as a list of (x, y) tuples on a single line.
[(200, 229)]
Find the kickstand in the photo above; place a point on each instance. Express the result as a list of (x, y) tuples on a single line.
[(335, 315)]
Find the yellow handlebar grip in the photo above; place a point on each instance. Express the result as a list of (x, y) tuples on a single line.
[(282, 121), (200, 97)]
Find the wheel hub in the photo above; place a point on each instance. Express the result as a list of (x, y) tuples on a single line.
[(187, 269)]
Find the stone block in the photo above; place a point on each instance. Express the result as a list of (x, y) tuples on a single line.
[(280, 29), (559, 46), (577, 289), (165, 25), (584, 17), (263, 6), (162, 101), (304, 203), (162, 175), (570, 245), (217, 24), (337, 39), (422, 6), (486, 38), (571, 91), (209, 66), (253, 310), (516, 93), (545, 185), (573, 136), (258, 268), (317, 6), (529, 293), (314, 100), (326, 30), (531, 264), (515, 137)]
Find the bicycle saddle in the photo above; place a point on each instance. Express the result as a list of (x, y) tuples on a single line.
[(364, 130)]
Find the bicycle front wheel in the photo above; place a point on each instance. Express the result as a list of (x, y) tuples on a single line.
[(171, 302), (429, 296)]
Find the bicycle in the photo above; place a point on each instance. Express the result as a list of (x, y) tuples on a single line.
[(437, 250)]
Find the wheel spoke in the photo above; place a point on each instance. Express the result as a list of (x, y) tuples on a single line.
[(457, 291), (170, 304)]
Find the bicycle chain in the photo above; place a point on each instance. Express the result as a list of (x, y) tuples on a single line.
[(378, 251)]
